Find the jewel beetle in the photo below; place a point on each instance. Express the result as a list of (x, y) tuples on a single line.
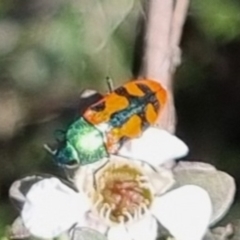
[(105, 125)]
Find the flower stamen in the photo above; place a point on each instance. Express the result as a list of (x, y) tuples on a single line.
[(122, 193)]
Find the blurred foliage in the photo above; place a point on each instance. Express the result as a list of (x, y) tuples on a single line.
[(50, 50), (219, 18)]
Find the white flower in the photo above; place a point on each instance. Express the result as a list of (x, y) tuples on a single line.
[(122, 203), (122, 199)]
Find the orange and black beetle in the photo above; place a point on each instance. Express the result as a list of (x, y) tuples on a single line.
[(120, 115)]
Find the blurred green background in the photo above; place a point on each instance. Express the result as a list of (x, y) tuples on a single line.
[(50, 50)]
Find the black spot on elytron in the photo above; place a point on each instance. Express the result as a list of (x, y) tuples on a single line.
[(144, 88), (155, 103), (122, 91), (144, 122), (98, 107), (150, 95)]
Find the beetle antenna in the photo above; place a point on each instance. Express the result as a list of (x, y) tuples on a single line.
[(48, 149), (110, 84)]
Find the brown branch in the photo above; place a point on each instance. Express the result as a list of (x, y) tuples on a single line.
[(179, 17), (156, 60), (162, 54)]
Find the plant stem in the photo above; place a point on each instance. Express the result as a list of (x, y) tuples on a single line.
[(162, 53)]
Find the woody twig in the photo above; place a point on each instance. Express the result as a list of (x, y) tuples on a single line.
[(162, 53)]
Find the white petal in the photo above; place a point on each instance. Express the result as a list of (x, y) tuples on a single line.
[(144, 229), (155, 146), (118, 232), (52, 208), (185, 212), (94, 222)]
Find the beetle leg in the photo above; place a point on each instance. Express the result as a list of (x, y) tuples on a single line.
[(52, 152), (110, 84)]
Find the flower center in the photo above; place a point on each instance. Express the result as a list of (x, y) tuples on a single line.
[(123, 193)]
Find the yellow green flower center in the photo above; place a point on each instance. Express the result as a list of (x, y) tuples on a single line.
[(123, 193)]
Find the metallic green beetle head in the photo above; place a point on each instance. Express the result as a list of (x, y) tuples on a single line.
[(84, 144), (66, 155)]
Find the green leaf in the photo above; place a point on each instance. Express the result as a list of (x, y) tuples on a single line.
[(236, 229), (223, 233), (218, 18), (87, 234), (101, 18), (219, 185)]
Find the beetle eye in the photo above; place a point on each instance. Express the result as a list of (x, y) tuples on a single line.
[(72, 163)]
